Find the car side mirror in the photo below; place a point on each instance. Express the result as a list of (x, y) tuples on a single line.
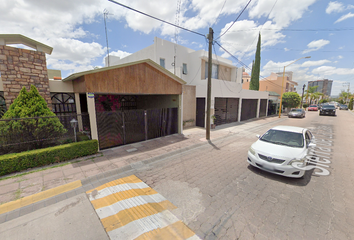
[(311, 145), (258, 136)]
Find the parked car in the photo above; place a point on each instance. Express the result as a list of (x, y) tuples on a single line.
[(279, 149), (312, 108), (328, 110), (343, 107), (296, 112)]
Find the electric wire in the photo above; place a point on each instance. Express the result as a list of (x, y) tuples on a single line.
[(145, 14), (234, 21), (219, 14), (262, 78)]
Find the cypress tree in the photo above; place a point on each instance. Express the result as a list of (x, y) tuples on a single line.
[(254, 83), (31, 130)]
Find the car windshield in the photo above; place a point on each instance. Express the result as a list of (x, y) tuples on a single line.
[(344, 106), (313, 105), (290, 139), (295, 110), (328, 107)]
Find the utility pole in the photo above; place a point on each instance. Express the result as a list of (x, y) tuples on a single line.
[(210, 59), (344, 85), (302, 96)]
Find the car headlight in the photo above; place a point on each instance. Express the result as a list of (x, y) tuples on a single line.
[(252, 151), (302, 160)]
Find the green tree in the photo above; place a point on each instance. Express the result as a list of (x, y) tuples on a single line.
[(291, 99), (310, 91), (37, 122), (256, 67), (351, 104)]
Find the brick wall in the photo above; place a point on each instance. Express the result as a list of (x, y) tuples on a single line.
[(21, 68)]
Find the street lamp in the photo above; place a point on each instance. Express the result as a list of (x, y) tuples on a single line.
[(282, 83), (73, 124)]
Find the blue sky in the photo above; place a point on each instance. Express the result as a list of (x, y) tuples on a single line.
[(290, 30)]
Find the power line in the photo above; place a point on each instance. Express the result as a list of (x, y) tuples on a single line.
[(234, 21), (263, 78), (219, 13), (145, 14), (298, 30)]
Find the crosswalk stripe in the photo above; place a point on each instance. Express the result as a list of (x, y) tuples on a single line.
[(131, 214), (177, 230), (129, 179), (111, 209), (140, 226)]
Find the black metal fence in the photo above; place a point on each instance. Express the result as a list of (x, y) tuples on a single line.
[(123, 127), (22, 134)]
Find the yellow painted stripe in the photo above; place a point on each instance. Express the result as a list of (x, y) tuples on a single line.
[(116, 197), (177, 230), (10, 206), (129, 179), (128, 215)]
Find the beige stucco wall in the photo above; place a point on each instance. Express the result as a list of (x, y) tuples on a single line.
[(60, 86), (189, 105)]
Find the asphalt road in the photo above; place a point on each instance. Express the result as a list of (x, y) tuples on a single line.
[(220, 196)]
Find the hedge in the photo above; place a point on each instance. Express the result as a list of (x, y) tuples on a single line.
[(15, 162)]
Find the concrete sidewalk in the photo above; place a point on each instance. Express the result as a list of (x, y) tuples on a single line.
[(38, 188)]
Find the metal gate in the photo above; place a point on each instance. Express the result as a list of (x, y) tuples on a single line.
[(263, 108), (249, 109), (226, 110), (128, 126), (200, 114)]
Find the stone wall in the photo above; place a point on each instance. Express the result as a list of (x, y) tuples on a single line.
[(21, 68)]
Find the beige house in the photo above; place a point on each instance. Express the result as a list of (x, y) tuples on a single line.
[(273, 83), (117, 105)]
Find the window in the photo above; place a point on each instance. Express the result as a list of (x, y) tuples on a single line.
[(184, 70), (214, 70), (162, 62), (242, 80)]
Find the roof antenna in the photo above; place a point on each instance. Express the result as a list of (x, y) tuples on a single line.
[(105, 13)]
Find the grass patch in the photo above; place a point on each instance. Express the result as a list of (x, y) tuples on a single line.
[(18, 194)]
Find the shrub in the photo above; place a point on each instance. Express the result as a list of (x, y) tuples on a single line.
[(16, 162), (305, 105), (351, 104), (37, 122), (291, 99)]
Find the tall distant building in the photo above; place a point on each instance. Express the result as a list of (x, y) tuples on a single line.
[(324, 86)]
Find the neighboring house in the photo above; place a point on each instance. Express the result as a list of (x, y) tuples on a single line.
[(148, 96), (229, 102), (323, 86), (274, 83)]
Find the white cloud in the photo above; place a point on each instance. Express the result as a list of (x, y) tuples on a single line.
[(245, 44), (335, 7), (119, 53), (316, 45), (300, 73), (284, 11), (340, 56), (314, 63), (344, 17), (326, 71)]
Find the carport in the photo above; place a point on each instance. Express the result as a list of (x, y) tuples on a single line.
[(130, 102)]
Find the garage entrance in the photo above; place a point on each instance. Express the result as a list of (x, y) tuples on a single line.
[(226, 110)]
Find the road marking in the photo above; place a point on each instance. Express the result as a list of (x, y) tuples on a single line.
[(129, 209), (10, 206)]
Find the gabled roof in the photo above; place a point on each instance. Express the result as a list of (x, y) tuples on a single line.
[(20, 39), (148, 61)]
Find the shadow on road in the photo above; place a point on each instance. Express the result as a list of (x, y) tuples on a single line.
[(292, 181)]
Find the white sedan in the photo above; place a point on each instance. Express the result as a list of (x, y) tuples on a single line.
[(280, 150)]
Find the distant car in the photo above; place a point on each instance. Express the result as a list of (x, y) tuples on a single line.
[(328, 110), (312, 108), (279, 149), (343, 107), (296, 112)]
